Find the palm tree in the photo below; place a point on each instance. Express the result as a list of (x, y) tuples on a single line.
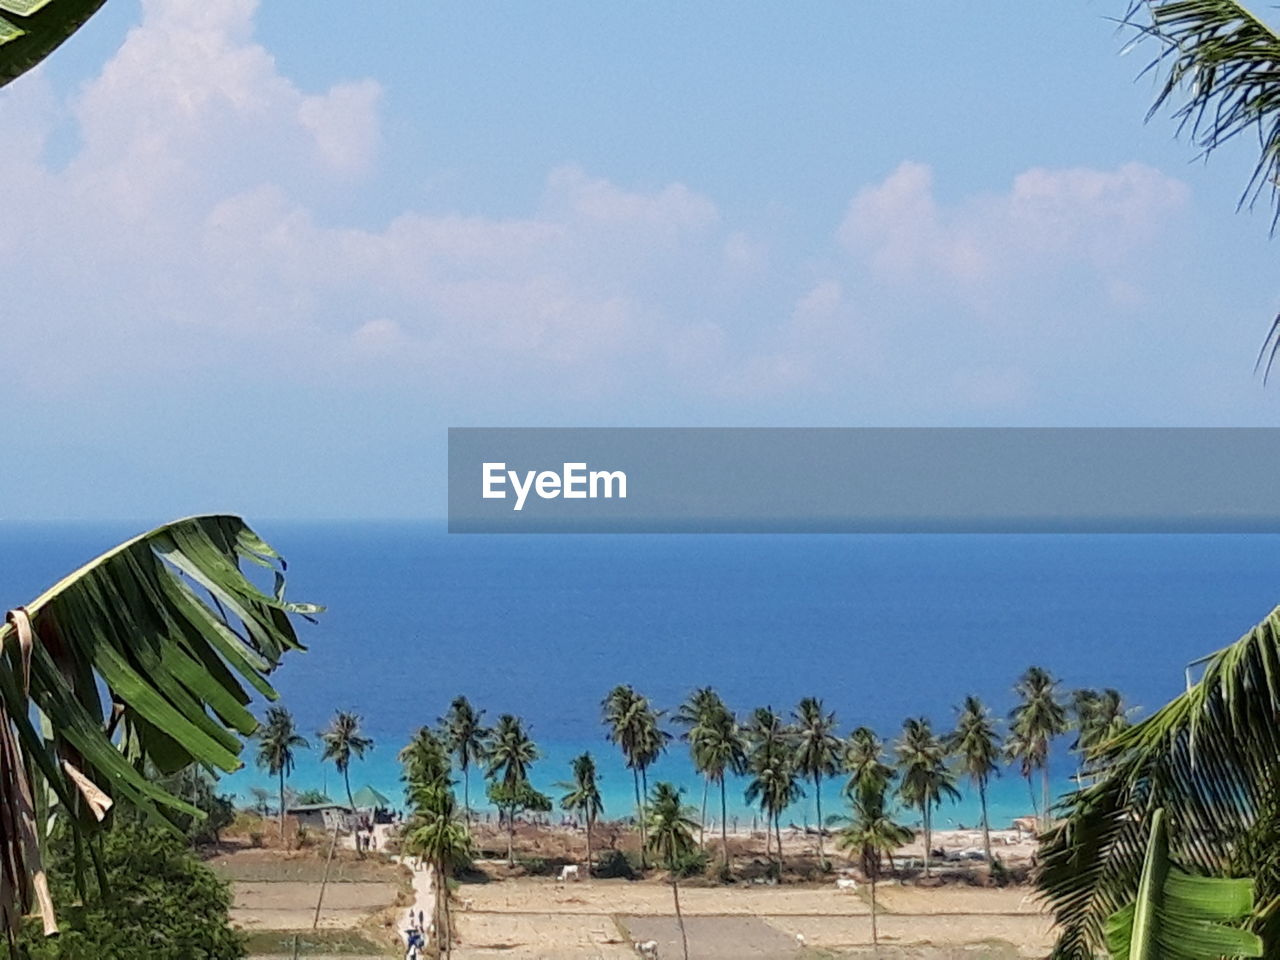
[(771, 763), (720, 748), (1107, 718), (278, 738), (817, 751), (1033, 723), (703, 704), (342, 742), (977, 746), (1210, 759), (510, 752), (465, 736), (872, 832), (670, 839), (425, 759), (863, 760), (636, 728), (129, 629), (437, 836), (924, 778), (583, 796), (1217, 64)]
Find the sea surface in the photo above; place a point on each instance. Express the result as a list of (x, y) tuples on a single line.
[(880, 627)]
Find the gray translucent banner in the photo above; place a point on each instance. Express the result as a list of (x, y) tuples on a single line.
[(696, 480)]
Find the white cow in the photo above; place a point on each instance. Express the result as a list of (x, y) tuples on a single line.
[(846, 883), (647, 948), (568, 873)]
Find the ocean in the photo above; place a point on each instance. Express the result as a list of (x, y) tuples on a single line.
[(880, 627)]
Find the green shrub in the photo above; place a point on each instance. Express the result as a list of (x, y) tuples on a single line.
[(615, 865), (161, 903)]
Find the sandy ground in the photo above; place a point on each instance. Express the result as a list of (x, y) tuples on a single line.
[(291, 905), (529, 919)]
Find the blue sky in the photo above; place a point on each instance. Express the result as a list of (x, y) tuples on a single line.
[(259, 259)]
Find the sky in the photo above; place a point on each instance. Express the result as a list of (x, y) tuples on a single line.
[(259, 258)]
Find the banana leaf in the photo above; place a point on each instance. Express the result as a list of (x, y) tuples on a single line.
[(1180, 916), (136, 662)]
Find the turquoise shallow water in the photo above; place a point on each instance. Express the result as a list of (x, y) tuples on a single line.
[(881, 627)]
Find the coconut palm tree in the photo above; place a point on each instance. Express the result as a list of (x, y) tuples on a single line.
[(670, 840), (278, 738), (437, 836), (719, 749), (773, 785), (425, 759), (701, 705), (583, 796), (924, 780), (871, 832), (1210, 759), (129, 629), (977, 746), (1033, 724), (1107, 718), (1216, 65), (509, 753), (636, 727), (343, 742), (817, 752), (464, 736), (863, 760)]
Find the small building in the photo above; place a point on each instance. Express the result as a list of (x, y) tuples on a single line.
[(322, 816)]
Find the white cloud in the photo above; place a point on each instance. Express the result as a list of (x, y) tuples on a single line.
[(1047, 221), (191, 217)]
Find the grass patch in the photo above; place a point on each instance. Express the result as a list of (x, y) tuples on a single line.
[(313, 943)]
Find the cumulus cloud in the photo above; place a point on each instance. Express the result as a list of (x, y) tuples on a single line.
[(1048, 219), (191, 216)]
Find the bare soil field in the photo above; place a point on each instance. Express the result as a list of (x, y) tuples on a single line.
[(533, 918)]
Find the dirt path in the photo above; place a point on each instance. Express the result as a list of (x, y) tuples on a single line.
[(424, 893)]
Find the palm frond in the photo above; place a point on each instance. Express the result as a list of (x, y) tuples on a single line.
[(123, 665), (30, 30), (1211, 759), (1220, 72)]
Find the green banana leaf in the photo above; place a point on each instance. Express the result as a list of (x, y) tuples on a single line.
[(137, 661), (1178, 916), (30, 30)]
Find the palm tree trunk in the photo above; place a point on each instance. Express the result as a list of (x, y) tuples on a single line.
[(875, 934), (702, 824), (511, 836), (928, 834), (684, 938), (817, 796), (346, 780), (768, 838), (724, 824), (635, 780), (777, 829), (986, 827), (466, 794), (1031, 789), (644, 799), (589, 819), (281, 771), (1044, 808)]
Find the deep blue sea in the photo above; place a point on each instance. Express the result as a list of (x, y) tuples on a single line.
[(880, 627)]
